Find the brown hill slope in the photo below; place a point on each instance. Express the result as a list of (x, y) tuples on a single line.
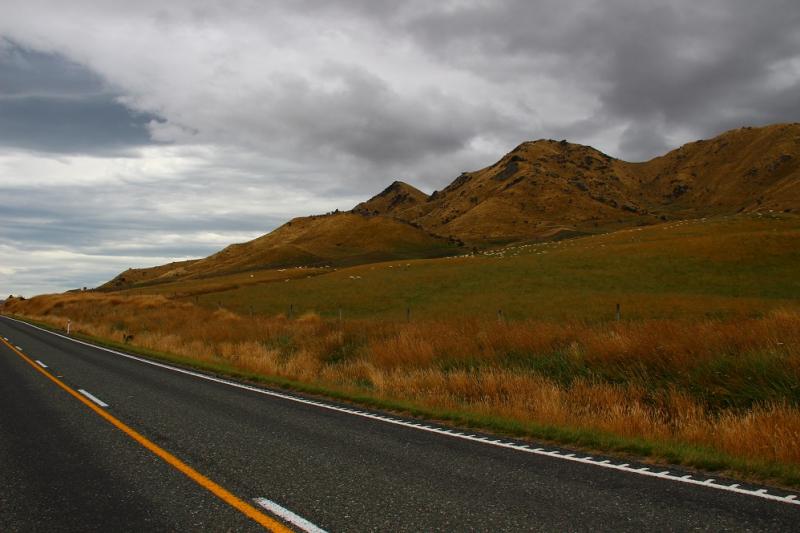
[(539, 188), (337, 239), (325, 239), (748, 169), (137, 276)]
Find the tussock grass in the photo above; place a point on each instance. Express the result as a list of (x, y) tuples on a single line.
[(704, 391)]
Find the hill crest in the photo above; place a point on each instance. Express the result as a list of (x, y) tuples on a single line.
[(395, 198)]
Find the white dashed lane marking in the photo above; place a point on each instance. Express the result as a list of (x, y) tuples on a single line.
[(288, 516), (96, 400)]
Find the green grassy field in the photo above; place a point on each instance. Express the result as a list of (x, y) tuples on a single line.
[(738, 265)]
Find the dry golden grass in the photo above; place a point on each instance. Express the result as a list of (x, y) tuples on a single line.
[(730, 385)]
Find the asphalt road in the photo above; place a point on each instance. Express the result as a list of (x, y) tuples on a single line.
[(63, 467)]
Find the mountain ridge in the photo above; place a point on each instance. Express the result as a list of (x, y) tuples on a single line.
[(545, 184), (538, 191)]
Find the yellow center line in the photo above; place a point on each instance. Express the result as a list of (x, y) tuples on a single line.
[(217, 490)]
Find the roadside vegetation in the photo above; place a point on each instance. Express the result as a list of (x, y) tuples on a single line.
[(702, 368)]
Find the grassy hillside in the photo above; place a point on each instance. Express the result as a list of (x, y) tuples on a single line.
[(738, 265), (340, 239), (152, 275)]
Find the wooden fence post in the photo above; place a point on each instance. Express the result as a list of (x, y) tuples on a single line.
[(617, 313)]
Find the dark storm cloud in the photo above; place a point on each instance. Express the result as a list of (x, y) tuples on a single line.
[(366, 119), (706, 70), (705, 67), (51, 104)]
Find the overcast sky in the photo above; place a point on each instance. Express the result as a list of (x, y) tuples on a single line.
[(138, 133)]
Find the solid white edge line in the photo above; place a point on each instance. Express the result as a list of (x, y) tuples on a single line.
[(287, 515), (41, 364), (522, 448), (95, 399)]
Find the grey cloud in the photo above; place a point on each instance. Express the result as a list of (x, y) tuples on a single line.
[(703, 66), (56, 279), (691, 68), (89, 124), (643, 139), (368, 120), (28, 72), (51, 104), (678, 60)]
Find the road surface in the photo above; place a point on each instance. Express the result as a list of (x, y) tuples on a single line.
[(94, 440)]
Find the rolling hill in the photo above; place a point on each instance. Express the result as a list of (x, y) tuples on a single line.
[(337, 239), (542, 190)]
